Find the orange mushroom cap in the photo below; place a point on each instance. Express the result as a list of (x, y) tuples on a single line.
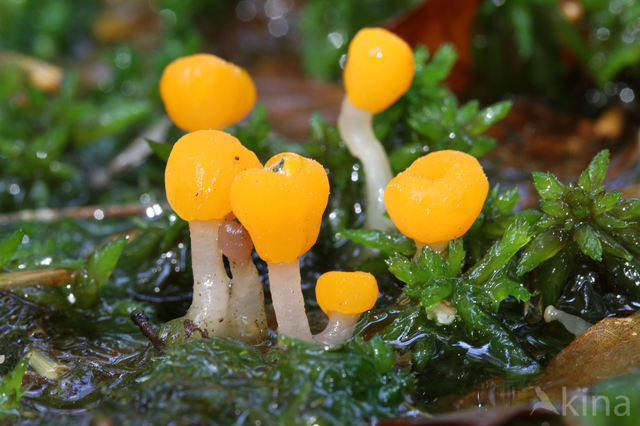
[(346, 292), (203, 92), (199, 173), (379, 69), (438, 197), (281, 205)]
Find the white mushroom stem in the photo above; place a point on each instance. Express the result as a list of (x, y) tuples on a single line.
[(572, 323), (287, 299), (442, 312), (356, 129), (210, 281), (246, 304), (339, 329)]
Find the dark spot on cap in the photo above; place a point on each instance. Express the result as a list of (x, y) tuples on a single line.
[(197, 193), (237, 158)]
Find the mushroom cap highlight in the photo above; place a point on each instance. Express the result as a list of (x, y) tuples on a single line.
[(203, 92), (199, 173), (379, 69), (281, 205), (438, 197), (350, 293)]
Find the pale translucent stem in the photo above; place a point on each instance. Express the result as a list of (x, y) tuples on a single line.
[(287, 299), (209, 309), (246, 304), (339, 329), (356, 129), (572, 323), (442, 312)]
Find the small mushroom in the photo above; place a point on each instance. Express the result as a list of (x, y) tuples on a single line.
[(572, 323), (281, 206), (198, 177), (435, 200), (344, 296), (203, 91), (379, 69), (246, 302)]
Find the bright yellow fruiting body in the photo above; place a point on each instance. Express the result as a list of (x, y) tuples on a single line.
[(202, 92), (346, 292), (438, 197), (379, 69), (281, 205), (199, 173)]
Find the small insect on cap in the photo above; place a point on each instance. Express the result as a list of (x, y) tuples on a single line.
[(379, 69), (202, 92), (199, 173), (438, 197), (346, 292), (281, 205)]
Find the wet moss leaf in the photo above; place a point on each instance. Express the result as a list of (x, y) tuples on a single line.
[(387, 242), (99, 267), (588, 242), (9, 245), (162, 150), (593, 176), (547, 185), (11, 389)]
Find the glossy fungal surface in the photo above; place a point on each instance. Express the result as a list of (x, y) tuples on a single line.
[(199, 173), (203, 92), (379, 69), (349, 293), (282, 205), (438, 197)]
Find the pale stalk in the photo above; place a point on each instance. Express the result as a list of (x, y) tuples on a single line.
[(356, 129), (246, 303), (339, 329), (287, 299), (572, 323), (209, 309)]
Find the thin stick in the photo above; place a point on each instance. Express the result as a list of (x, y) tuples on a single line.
[(84, 212), (140, 319)]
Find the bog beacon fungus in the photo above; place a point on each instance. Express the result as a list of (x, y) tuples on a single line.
[(379, 70), (281, 205), (198, 177), (344, 296), (246, 302), (203, 91), (436, 200)]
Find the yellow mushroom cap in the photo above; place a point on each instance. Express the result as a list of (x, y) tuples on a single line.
[(202, 92), (438, 197), (346, 292), (379, 69), (281, 205), (199, 173)]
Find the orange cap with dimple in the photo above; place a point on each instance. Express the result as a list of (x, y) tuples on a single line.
[(199, 173), (438, 197), (346, 292), (202, 92), (379, 69), (281, 205)]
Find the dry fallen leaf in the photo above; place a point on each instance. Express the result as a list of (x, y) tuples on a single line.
[(610, 348)]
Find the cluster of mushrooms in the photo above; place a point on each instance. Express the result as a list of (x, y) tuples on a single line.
[(233, 203)]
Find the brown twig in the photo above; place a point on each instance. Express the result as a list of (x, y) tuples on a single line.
[(84, 212), (48, 277), (140, 319)]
